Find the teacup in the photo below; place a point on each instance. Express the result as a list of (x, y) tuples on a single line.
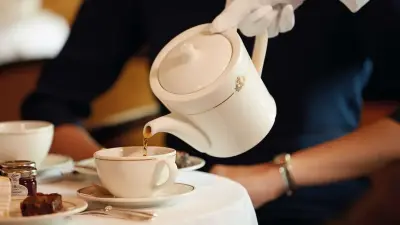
[(25, 140), (126, 173)]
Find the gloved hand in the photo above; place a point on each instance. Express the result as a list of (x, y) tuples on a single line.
[(254, 17)]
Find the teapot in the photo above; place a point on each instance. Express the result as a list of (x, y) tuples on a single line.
[(219, 105)]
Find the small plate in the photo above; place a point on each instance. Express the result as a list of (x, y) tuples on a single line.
[(88, 166), (55, 161), (196, 163), (168, 195), (72, 205)]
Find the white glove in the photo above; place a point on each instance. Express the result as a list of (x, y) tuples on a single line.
[(254, 17)]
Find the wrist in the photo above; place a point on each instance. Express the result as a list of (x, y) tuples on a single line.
[(273, 179), (66, 135), (283, 161)]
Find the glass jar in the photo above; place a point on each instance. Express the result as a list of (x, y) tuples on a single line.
[(28, 179), (23, 180)]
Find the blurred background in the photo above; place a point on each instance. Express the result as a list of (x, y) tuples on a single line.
[(33, 31)]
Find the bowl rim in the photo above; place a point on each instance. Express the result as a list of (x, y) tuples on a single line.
[(46, 126), (96, 155)]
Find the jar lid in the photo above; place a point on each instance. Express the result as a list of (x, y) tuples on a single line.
[(195, 63), (17, 163), (23, 170)]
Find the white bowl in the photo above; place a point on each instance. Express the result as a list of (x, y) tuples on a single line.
[(25, 140)]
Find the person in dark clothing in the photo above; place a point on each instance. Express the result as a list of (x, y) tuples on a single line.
[(317, 73)]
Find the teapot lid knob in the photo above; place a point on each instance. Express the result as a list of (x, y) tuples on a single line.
[(195, 63), (188, 52)]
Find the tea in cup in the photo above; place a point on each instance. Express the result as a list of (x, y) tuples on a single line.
[(127, 173), (25, 140)]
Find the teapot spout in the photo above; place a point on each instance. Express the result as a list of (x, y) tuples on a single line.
[(179, 127)]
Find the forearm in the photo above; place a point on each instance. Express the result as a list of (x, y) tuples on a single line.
[(353, 155), (379, 205), (75, 141)]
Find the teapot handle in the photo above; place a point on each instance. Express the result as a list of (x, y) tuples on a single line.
[(259, 51)]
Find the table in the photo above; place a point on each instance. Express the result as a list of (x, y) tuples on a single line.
[(215, 201)]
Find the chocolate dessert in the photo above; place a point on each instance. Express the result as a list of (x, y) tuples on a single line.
[(41, 204)]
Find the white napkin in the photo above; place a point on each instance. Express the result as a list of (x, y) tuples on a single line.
[(354, 5)]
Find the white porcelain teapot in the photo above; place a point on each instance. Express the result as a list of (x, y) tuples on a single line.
[(219, 104)]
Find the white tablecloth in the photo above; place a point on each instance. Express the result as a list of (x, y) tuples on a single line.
[(216, 201)]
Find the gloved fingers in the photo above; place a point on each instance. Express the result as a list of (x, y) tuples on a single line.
[(258, 21), (279, 19), (263, 13), (253, 17), (233, 15), (277, 2), (286, 19), (273, 28)]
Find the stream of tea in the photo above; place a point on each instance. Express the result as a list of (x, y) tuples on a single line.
[(145, 142), (147, 134)]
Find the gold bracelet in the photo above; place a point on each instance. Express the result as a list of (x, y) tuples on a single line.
[(283, 160)]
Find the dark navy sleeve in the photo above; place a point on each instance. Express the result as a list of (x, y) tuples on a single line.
[(378, 24), (103, 37)]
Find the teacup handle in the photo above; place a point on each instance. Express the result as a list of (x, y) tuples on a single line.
[(172, 174)]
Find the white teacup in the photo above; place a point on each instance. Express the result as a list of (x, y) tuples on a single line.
[(126, 173), (25, 140)]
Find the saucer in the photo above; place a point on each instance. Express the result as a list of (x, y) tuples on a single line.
[(88, 167), (166, 196), (72, 205), (55, 161)]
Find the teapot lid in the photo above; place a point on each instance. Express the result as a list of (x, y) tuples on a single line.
[(195, 63)]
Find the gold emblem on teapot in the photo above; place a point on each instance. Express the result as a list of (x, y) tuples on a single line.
[(240, 83)]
